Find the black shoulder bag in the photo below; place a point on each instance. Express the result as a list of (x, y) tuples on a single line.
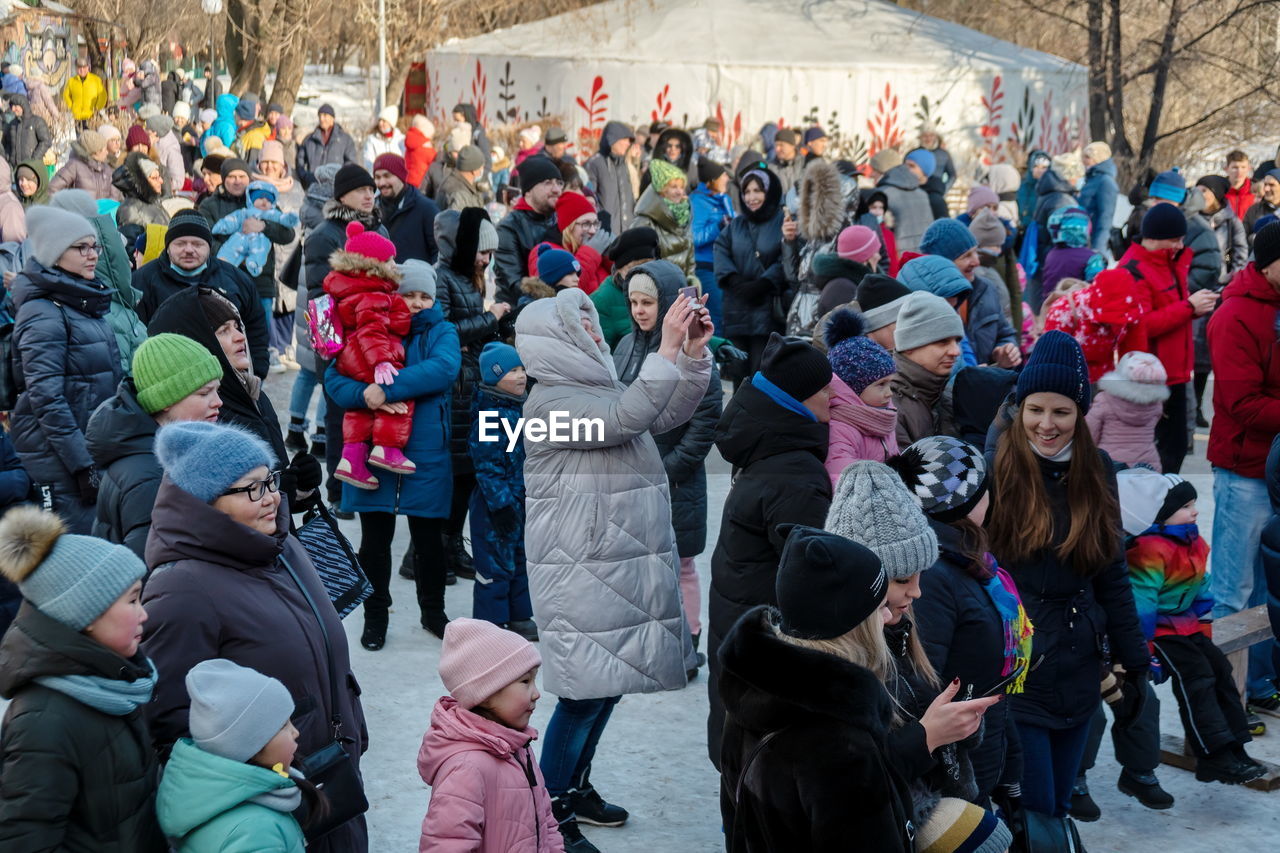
[(334, 560), (329, 768)]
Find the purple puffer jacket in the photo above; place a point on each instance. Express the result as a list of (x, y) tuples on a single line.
[(1123, 419)]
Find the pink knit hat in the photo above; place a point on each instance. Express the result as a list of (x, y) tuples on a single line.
[(981, 196), (478, 659), (371, 244), (857, 243), (1142, 367)]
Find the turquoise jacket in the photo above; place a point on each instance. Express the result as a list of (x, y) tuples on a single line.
[(204, 805)]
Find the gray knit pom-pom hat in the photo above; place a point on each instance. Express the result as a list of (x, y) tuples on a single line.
[(872, 507)]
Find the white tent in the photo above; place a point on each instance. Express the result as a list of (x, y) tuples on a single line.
[(869, 72)]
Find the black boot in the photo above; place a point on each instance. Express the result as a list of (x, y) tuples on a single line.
[(374, 636), (1224, 767), (1145, 788), (457, 558), (1082, 805), (318, 443), (296, 436), (526, 628), (406, 565), (591, 808), (574, 842)]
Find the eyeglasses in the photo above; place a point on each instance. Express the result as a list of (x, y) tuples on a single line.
[(87, 249), (258, 489), (588, 224)]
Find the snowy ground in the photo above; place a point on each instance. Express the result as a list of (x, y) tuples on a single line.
[(652, 759)]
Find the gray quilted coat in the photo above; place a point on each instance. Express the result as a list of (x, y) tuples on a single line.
[(601, 551)]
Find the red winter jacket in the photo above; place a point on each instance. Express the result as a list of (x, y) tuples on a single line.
[(1241, 199), (418, 156), (1246, 374), (374, 320), (1159, 282)]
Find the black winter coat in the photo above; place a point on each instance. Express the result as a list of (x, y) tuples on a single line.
[(410, 220), (183, 315), (963, 636), (219, 590), (824, 781), (749, 249), (158, 280), (518, 232), (219, 205), (72, 778), (1052, 192), (1074, 618), (121, 438), (779, 477), (141, 204), (684, 449), (314, 152), (70, 363), (27, 138)]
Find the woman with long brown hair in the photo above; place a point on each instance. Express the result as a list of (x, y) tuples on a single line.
[(1054, 523)]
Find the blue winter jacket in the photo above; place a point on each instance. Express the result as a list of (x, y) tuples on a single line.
[(224, 126), (432, 357), (499, 473), (1098, 198), (709, 211)]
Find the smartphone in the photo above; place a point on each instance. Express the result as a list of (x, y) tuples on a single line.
[(690, 292), (1000, 685)]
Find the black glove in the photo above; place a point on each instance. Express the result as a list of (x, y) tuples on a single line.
[(732, 362), (87, 485), (755, 290), (1133, 689), (306, 471), (505, 520)]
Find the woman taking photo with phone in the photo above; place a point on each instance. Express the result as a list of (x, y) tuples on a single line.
[(1054, 524)]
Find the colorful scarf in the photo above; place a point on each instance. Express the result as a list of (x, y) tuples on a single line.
[(1017, 626)]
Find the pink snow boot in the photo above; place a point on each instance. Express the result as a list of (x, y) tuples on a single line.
[(393, 459), (353, 468)]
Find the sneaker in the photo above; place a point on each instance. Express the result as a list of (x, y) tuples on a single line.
[(1270, 704), (526, 628), (574, 842), (1257, 728), (1224, 767), (590, 807), (392, 459), (275, 365), (1145, 788), (1083, 808)]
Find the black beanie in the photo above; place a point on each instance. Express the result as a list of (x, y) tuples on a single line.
[(1164, 222), (188, 223), (708, 170), (634, 244), (796, 367), (827, 585), (351, 177), (1217, 185), (234, 164), (877, 289), (537, 169), (1266, 246), (217, 308), (1175, 499)]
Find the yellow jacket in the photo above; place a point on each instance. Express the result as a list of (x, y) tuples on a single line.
[(251, 139), (84, 97)]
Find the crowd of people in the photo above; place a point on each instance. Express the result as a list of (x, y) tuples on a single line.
[(956, 530)]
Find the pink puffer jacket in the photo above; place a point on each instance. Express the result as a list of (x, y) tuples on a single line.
[(487, 793), (858, 431), (1122, 419)]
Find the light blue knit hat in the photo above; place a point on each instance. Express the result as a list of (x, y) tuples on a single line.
[(936, 275), (204, 459), (948, 238), (73, 579)]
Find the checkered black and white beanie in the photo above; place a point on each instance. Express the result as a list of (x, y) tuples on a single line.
[(946, 475)]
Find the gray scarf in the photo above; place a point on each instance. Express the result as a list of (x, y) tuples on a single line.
[(108, 695), (283, 800)]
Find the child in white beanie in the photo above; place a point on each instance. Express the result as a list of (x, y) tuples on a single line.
[(1124, 413), (230, 786), (479, 742)]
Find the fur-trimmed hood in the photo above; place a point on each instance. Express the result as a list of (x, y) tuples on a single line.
[(338, 212), (357, 267), (825, 200), (536, 288), (130, 180), (1142, 393)]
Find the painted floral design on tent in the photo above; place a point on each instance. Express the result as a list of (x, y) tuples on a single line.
[(662, 112), (883, 124), (596, 109)]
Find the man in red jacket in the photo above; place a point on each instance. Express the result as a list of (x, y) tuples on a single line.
[(1240, 178), (1157, 268), (1245, 350)]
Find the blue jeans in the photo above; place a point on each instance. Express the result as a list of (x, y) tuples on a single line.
[(707, 278), (304, 384), (1050, 761), (1241, 509), (569, 743)]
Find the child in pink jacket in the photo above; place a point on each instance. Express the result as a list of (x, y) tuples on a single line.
[(1129, 402), (487, 792), (863, 418)]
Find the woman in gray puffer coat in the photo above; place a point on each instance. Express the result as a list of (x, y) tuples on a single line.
[(601, 551), (67, 354)]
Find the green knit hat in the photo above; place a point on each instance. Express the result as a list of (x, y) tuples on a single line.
[(168, 367), (662, 173)]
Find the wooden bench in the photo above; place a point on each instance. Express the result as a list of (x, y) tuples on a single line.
[(1233, 635)]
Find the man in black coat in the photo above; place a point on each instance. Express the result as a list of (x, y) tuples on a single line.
[(328, 143), (408, 215), (531, 221), (26, 136), (232, 196), (188, 261), (774, 433)]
